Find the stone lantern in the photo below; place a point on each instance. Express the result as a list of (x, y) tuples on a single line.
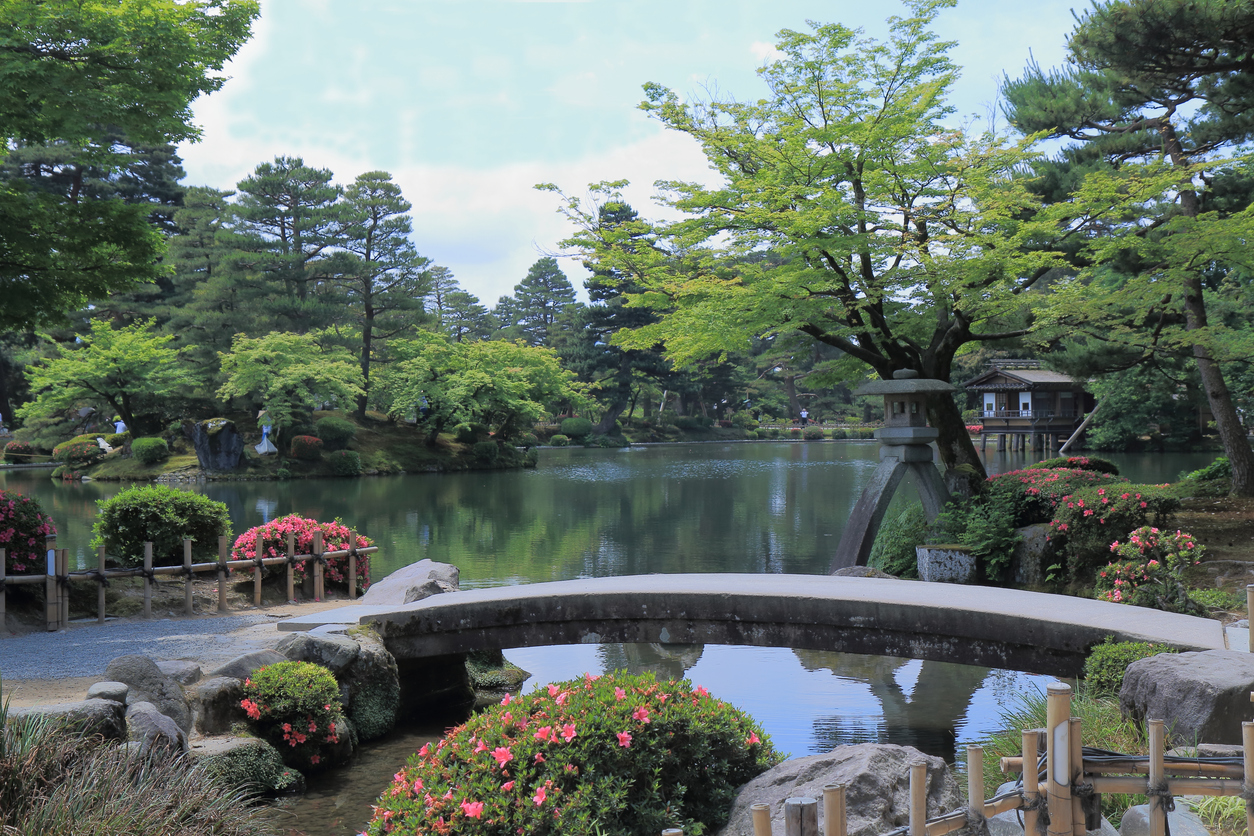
[(905, 441)]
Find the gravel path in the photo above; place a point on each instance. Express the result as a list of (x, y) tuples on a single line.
[(85, 650)]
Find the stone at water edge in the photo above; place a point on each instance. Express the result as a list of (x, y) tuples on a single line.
[(218, 445), (216, 704), (1201, 697), (411, 583), (335, 653), (1180, 822), (268, 772), (148, 684), (106, 718), (147, 726), (370, 687), (242, 667), (877, 781)]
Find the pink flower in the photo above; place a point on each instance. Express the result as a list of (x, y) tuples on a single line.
[(482, 747), (539, 797), (540, 758), (543, 733), (472, 809), (752, 739), (568, 732), (620, 694), (553, 689), (506, 700), (702, 692), (641, 714), (502, 755), (624, 739), (508, 785), (315, 759)]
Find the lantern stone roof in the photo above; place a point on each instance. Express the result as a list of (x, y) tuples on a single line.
[(905, 382)]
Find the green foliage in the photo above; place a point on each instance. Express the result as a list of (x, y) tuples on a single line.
[(469, 433), (576, 428), (162, 516), (1220, 468), (985, 525), (77, 453), (306, 448), (744, 420), (1087, 521), (486, 451), (751, 435), (812, 433), (893, 549), (336, 433), (527, 440), (1220, 814), (296, 706), (150, 450), (1107, 662), (345, 463), (1226, 600), (688, 423), (256, 769), (1149, 571), (559, 440), (1093, 463), (116, 440), (23, 527), (615, 754), (270, 540), (839, 432)]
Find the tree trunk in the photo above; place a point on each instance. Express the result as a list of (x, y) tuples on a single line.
[(367, 339), (964, 472), (790, 389), (609, 418)]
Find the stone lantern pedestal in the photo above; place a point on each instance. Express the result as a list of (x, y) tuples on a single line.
[(905, 441)]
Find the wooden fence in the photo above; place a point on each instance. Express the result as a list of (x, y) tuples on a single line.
[(1066, 803), (57, 578)]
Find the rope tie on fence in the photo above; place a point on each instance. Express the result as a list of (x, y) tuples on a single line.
[(3, 581), (1166, 800), (321, 558), (1083, 789), (63, 581), (259, 562), (188, 571), (1041, 805), (101, 577), (149, 575), (291, 560), (1247, 790), (977, 823)]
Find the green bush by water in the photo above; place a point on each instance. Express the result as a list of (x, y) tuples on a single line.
[(150, 450), (1107, 662), (893, 551), (163, 516), (560, 440), (296, 706), (576, 428), (1092, 463), (345, 463), (306, 448), (336, 433)]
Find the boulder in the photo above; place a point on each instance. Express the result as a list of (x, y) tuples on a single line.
[(242, 667), (184, 673), (115, 691), (370, 687), (863, 572), (216, 704), (247, 762), (218, 445), (148, 684), (151, 729), (1180, 822), (877, 794), (106, 718), (1032, 554), (945, 564), (1202, 697), (335, 653), (411, 583)]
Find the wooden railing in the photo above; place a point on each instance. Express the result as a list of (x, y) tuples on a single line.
[(57, 577)]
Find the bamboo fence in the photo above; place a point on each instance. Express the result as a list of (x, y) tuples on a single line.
[(1066, 801), (57, 577)]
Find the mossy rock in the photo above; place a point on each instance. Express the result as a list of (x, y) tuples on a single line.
[(492, 676), (251, 764)]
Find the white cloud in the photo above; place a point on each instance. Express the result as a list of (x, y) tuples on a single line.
[(764, 51)]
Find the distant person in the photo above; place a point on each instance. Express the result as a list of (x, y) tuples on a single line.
[(119, 426), (805, 418)]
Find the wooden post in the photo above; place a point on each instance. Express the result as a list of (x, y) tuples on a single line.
[(1077, 775), (761, 815), (63, 589), (147, 580), (834, 823), (291, 567), (100, 593), (224, 551), (918, 799), (352, 564), (52, 607), (1247, 745), (801, 817), (975, 782), (187, 583), (673, 831), (1058, 735), (3, 594), (318, 575), (1249, 609), (1157, 807), (260, 544), (1030, 778)]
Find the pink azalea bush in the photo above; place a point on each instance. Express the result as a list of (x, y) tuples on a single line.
[(1085, 521), (1038, 491), (23, 527), (18, 452), (615, 754), (296, 706), (1149, 571), (271, 539)]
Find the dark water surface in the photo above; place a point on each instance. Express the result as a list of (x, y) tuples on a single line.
[(761, 507)]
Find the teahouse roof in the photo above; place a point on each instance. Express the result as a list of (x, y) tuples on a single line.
[(1021, 379)]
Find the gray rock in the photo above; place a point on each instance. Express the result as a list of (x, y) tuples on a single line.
[(151, 729), (184, 673), (1202, 697), (1181, 821), (1208, 750), (335, 653), (862, 572), (106, 718), (945, 564), (115, 691), (242, 667), (413, 579), (371, 688), (216, 704), (877, 794), (1032, 554), (249, 762), (148, 684), (218, 445)]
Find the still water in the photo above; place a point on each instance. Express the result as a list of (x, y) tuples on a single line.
[(763, 507)]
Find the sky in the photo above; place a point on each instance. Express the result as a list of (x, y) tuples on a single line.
[(470, 103)]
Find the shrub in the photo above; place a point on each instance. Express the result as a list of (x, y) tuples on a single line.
[(1085, 521), (559, 440), (163, 516), (306, 447), (150, 450), (1107, 662), (77, 452), (576, 427), (613, 754), (893, 549), (345, 463), (17, 452), (335, 536), (839, 433), (118, 439), (866, 432), (1220, 468), (336, 433), (469, 433), (1092, 463), (1150, 571), (1036, 492), (296, 706), (688, 423), (751, 435), (485, 451), (794, 432), (1228, 600), (23, 527), (985, 526), (813, 433), (527, 440), (744, 420)]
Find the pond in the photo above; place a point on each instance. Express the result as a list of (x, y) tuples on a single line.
[(714, 507)]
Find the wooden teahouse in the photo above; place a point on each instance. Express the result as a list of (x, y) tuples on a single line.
[(1027, 407)]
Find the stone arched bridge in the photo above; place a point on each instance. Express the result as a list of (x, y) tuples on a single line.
[(1005, 628)]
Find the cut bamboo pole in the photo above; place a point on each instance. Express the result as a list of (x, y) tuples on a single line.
[(147, 580), (1158, 810), (1078, 827), (1117, 767), (673, 831), (352, 564), (259, 543), (100, 593), (801, 817), (3, 585), (63, 589), (1247, 745), (761, 815), (975, 781), (1128, 785), (918, 799), (291, 567), (834, 823), (224, 550), (318, 569), (52, 606), (1030, 782), (187, 583), (1249, 610), (1058, 712)]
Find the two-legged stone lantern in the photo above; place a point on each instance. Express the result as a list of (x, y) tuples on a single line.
[(904, 445)]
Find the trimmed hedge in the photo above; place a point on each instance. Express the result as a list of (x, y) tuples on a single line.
[(1093, 463), (163, 516), (812, 434), (77, 452), (336, 433), (18, 452), (1108, 662), (345, 463), (306, 448), (576, 427), (150, 450), (560, 440), (1089, 520)]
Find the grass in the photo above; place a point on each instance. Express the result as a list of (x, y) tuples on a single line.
[(1224, 815)]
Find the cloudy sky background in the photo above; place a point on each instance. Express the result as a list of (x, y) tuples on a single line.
[(470, 103)]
